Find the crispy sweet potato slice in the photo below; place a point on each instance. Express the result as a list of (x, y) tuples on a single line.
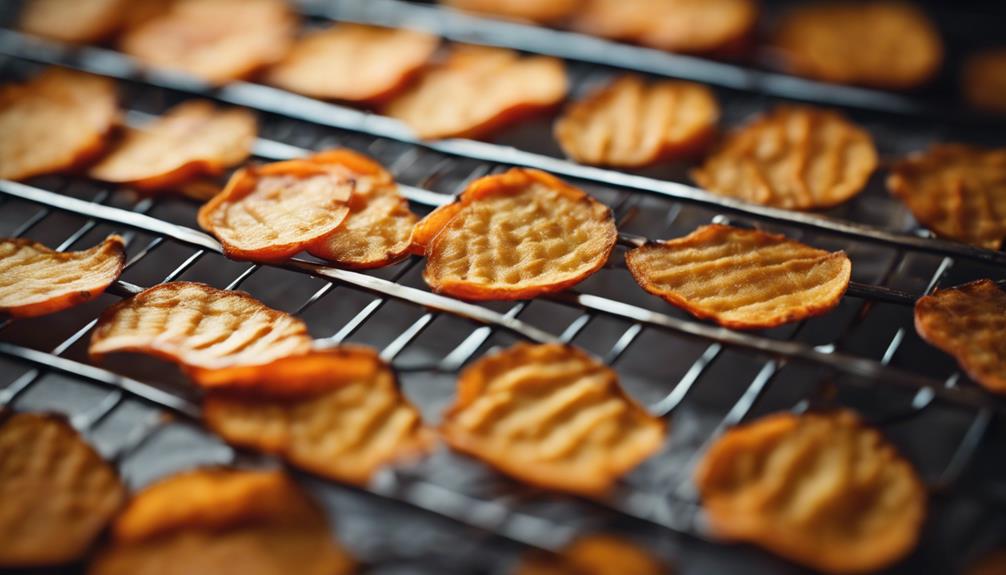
[(984, 80), (477, 90), (822, 490), (35, 280), (595, 555), (191, 140), (211, 521), (969, 323), (743, 279), (56, 121), (957, 191), (515, 235), (794, 157), (632, 124), (539, 11), (552, 416), (353, 62), (81, 21), (58, 494)]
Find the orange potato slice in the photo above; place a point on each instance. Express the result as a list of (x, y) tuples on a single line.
[(631, 124), (984, 80), (820, 489), (353, 62), (477, 90), (886, 44), (957, 191), (35, 280), (595, 555), (82, 21), (742, 279), (552, 416), (794, 157), (57, 121), (58, 494), (539, 11), (211, 521), (969, 323)]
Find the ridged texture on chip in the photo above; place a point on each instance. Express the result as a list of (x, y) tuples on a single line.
[(35, 280), (957, 191), (56, 121), (793, 157), (630, 123), (595, 555), (822, 490), (552, 416), (984, 81), (477, 90), (199, 327), (539, 11), (353, 62), (191, 140), (969, 323), (58, 494), (743, 279), (81, 21)]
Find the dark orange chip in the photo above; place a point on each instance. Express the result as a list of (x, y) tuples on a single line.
[(540, 11), (595, 555), (984, 80)]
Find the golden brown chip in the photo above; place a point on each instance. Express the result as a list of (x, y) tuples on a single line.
[(353, 62), (540, 11), (957, 191), (552, 416), (477, 90), (984, 81), (212, 521), (632, 124), (56, 121), (81, 21), (884, 44), (215, 40), (199, 327), (822, 490), (794, 157), (35, 280), (595, 555), (743, 279), (515, 235), (58, 494), (969, 323)]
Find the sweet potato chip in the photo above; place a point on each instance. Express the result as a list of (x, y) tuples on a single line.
[(353, 62), (81, 21), (885, 44), (191, 140), (211, 521), (794, 157), (199, 327), (632, 124), (539, 11), (58, 494), (477, 90), (742, 279), (56, 121), (595, 555), (822, 490), (984, 81), (552, 416), (515, 235), (957, 191), (35, 280), (969, 323)]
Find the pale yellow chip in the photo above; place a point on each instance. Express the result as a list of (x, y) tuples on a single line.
[(957, 191), (743, 279), (477, 90), (984, 80), (190, 141), (794, 157), (630, 123), (54, 122), (595, 555), (540, 11), (552, 416)]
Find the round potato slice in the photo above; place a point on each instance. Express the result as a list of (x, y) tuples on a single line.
[(969, 323), (595, 555), (190, 141), (211, 521), (957, 191), (632, 124), (354, 63), (984, 81), (552, 416), (56, 121), (82, 21), (35, 280), (539, 11), (58, 494), (794, 157), (477, 90), (742, 279), (884, 44)]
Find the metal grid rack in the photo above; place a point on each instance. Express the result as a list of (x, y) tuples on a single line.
[(865, 354)]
